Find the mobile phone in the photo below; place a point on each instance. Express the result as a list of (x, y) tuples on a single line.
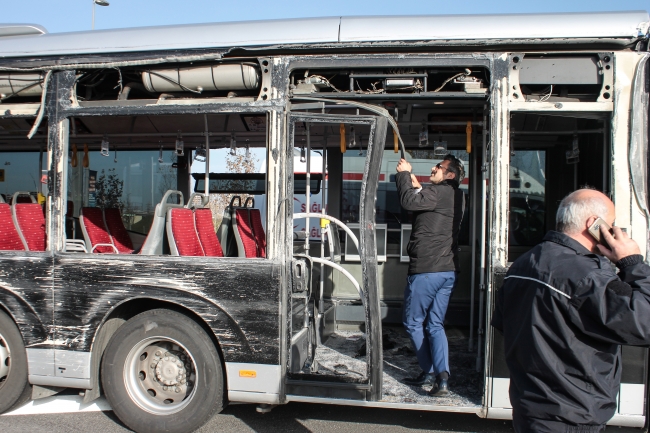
[(594, 230)]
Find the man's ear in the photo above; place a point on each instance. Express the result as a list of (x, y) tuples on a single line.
[(450, 175), (590, 221)]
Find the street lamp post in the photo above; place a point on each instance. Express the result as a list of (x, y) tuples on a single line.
[(100, 3)]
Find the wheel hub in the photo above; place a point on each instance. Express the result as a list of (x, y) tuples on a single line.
[(165, 373), (4, 359), (169, 370)]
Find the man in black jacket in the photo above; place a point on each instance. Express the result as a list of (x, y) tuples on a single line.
[(437, 211), (564, 312)]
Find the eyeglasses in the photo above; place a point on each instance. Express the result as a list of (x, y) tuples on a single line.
[(439, 166)]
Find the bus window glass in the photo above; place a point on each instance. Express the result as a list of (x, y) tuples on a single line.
[(224, 162), (389, 211), (133, 181), (527, 191), (128, 177), (22, 171)]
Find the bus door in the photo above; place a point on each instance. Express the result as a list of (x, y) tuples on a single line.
[(635, 380), (551, 156), (314, 367)]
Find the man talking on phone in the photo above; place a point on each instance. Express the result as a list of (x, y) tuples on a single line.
[(564, 314)]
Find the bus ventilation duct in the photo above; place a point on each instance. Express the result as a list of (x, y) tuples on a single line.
[(205, 78)]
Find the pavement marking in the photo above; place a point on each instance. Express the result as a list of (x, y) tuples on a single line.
[(60, 404)]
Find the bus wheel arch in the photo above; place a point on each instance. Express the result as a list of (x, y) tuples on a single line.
[(119, 316), (160, 370)]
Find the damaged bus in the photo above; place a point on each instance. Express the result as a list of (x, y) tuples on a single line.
[(205, 214)]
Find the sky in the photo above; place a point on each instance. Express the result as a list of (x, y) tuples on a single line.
[(76, 15)]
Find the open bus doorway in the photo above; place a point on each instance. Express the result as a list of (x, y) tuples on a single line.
[(341, 358), (552, 156)]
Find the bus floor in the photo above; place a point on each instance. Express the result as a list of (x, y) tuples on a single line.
[(343, 354)]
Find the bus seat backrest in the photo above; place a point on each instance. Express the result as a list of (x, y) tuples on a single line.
[(117, 231), (207, 236), (154, 241), (226, 232), (258, 231), (181, 232), (30, 223), (94, 230), (9, 238), (153, 244), (334, 243), (246, 243)]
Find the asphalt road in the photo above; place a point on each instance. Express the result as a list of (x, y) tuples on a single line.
[(294, 417)]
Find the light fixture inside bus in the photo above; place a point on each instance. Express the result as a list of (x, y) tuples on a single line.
[(573, 155), (233, 144), (352, 140), (440, 148), (200, 154), (104, 146), (424, 136), (180, 145)]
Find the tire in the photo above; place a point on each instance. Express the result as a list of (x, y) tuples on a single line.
[(14, 387), (162, 373)]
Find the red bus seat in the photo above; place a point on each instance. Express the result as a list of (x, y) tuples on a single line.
[(9, 237), (29, 221), (117, 231), (258, 232), (94, 230), (206, 233), (181, 232)]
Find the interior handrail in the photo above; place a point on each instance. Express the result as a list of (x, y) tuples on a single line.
[(343, 271), (345, 228)]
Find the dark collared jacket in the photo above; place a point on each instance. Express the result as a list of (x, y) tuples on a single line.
[(437, 214), (564, 312)]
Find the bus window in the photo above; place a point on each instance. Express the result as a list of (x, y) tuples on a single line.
[(552, 156), (389, 211), (125, 175), (23, 189), (527, 224)]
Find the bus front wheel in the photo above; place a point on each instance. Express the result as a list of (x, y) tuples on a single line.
[(14, 387), (162, 372)]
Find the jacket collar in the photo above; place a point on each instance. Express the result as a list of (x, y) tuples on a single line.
[(453, 182), (448, 182), (564, 240)]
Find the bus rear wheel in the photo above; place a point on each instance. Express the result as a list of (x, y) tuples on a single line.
[(162, 372), (14, 387)]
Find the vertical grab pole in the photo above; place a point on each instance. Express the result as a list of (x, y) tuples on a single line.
[(473, 185), (484, 175), (323, 192), (308, 184), (207, 157)]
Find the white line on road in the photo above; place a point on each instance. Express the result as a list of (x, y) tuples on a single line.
[(60, 404)]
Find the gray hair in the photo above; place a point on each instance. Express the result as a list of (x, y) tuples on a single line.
[(573, 212)]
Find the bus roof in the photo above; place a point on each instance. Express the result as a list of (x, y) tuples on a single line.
[(547, 28)]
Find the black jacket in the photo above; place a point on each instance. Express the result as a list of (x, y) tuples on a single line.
[(564, 312), (437, 213)]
